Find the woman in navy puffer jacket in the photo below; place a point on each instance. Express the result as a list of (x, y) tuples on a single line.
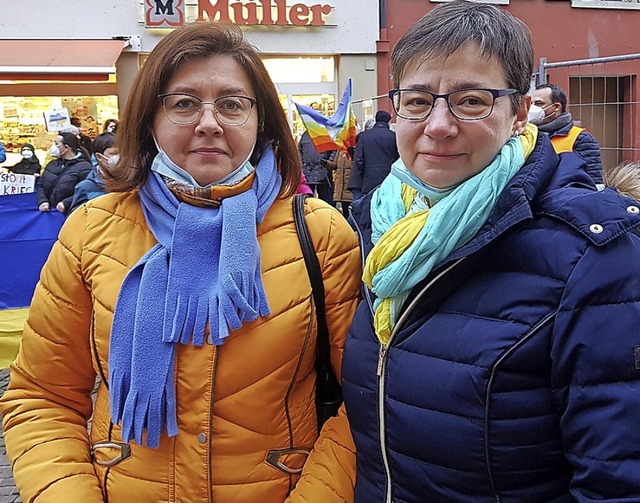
[(495, 356)]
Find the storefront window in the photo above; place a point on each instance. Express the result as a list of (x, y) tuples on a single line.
[(22, 120), (302, 70)]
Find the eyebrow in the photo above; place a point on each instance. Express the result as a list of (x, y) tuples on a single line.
[(456, 87), (227, 91)]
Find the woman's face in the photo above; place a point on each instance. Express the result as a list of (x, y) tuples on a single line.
[(207, 149), (441, 150)]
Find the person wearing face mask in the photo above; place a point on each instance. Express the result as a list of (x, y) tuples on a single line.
[(110, 126), (184, 289), (494, 355), (106, 155), (60, 176), (536, 115), (565, 135), (29, 164)]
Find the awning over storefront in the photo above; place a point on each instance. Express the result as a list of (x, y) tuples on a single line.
[(54, 59)]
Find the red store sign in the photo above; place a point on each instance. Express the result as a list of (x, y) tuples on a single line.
[(170, 13)]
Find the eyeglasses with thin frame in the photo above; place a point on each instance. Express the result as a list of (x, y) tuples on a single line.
[(465, 105), (185, 109)]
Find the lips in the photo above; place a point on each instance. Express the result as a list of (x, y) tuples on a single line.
[(439, 155), (209, 151)]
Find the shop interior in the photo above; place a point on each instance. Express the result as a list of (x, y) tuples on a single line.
[(22, 120)]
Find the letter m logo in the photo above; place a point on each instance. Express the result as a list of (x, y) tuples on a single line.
[(164, 8), (163, 13)]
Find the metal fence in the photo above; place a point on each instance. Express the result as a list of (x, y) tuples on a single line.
[(602, 93), (602, 96)]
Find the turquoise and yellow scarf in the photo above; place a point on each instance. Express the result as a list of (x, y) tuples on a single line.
[(411, 238)]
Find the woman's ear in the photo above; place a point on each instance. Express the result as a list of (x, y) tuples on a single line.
[(520, 121)]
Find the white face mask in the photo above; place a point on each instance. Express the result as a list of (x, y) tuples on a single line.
[(111, 128), (164, 165), (536, 115), (54, 151), (27, 154), (109, 161)]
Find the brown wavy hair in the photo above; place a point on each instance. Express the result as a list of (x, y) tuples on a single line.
[(198, 40)]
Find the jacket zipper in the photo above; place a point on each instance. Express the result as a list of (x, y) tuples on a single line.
[(382, 361), (210, 433)]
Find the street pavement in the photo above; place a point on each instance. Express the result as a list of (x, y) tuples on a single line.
[(8, 491)]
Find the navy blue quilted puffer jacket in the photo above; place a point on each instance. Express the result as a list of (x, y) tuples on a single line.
[(513, 374)]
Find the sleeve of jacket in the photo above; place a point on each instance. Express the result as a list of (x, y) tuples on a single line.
[(329, 473), (80, 195), (357, 168), (595, 354), (40, 193), (83, 172), (587, 147), (48, 402), (3, 153)]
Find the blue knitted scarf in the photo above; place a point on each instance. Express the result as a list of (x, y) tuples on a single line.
[(205, 268)]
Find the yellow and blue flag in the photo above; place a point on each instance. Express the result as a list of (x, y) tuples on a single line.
[(26, 238), (335, 133)]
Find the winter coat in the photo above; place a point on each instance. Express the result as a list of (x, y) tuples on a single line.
[(376, 151), (26, 167), (586, 145), (313, 163), (59, 178), (341, 166), (89, 188), (245, 409), (513, 373)]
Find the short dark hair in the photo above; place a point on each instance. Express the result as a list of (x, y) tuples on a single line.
[(383, 116), (557, 95), (102, 142), (199, 40), (448, 26), (71, 141)]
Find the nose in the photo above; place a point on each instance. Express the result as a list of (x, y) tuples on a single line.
[(208, 123), (440, 123)]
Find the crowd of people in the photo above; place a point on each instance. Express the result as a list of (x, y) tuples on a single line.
[(480, 299)]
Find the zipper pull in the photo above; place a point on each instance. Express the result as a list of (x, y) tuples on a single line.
[(382, 353)]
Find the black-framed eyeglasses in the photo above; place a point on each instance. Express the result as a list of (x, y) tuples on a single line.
[(465, 105), (184, 109)]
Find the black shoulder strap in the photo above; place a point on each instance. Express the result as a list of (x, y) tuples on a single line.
[(315, 277)]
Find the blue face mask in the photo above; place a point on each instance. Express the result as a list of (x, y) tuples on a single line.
[(163, 165), (400, 171)]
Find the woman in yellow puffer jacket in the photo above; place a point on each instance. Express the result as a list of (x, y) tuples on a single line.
[(184, 293)]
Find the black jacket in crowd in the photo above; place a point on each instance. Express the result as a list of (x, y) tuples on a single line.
[(313, 162), (26, 167), (59, 178), (376, 151)]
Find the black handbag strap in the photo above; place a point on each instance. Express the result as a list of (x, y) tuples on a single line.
[(323, 359)]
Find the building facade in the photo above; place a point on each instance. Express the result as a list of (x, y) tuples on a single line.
[(580, 40), (83, 56)]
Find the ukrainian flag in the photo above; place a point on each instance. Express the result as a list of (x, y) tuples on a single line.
[(335, 133), (26, 238)]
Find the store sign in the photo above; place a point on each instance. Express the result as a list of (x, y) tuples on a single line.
[(12, 184), (163, 13), (263, 12)]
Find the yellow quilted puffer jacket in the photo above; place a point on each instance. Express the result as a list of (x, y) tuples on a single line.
[(246, 412)]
